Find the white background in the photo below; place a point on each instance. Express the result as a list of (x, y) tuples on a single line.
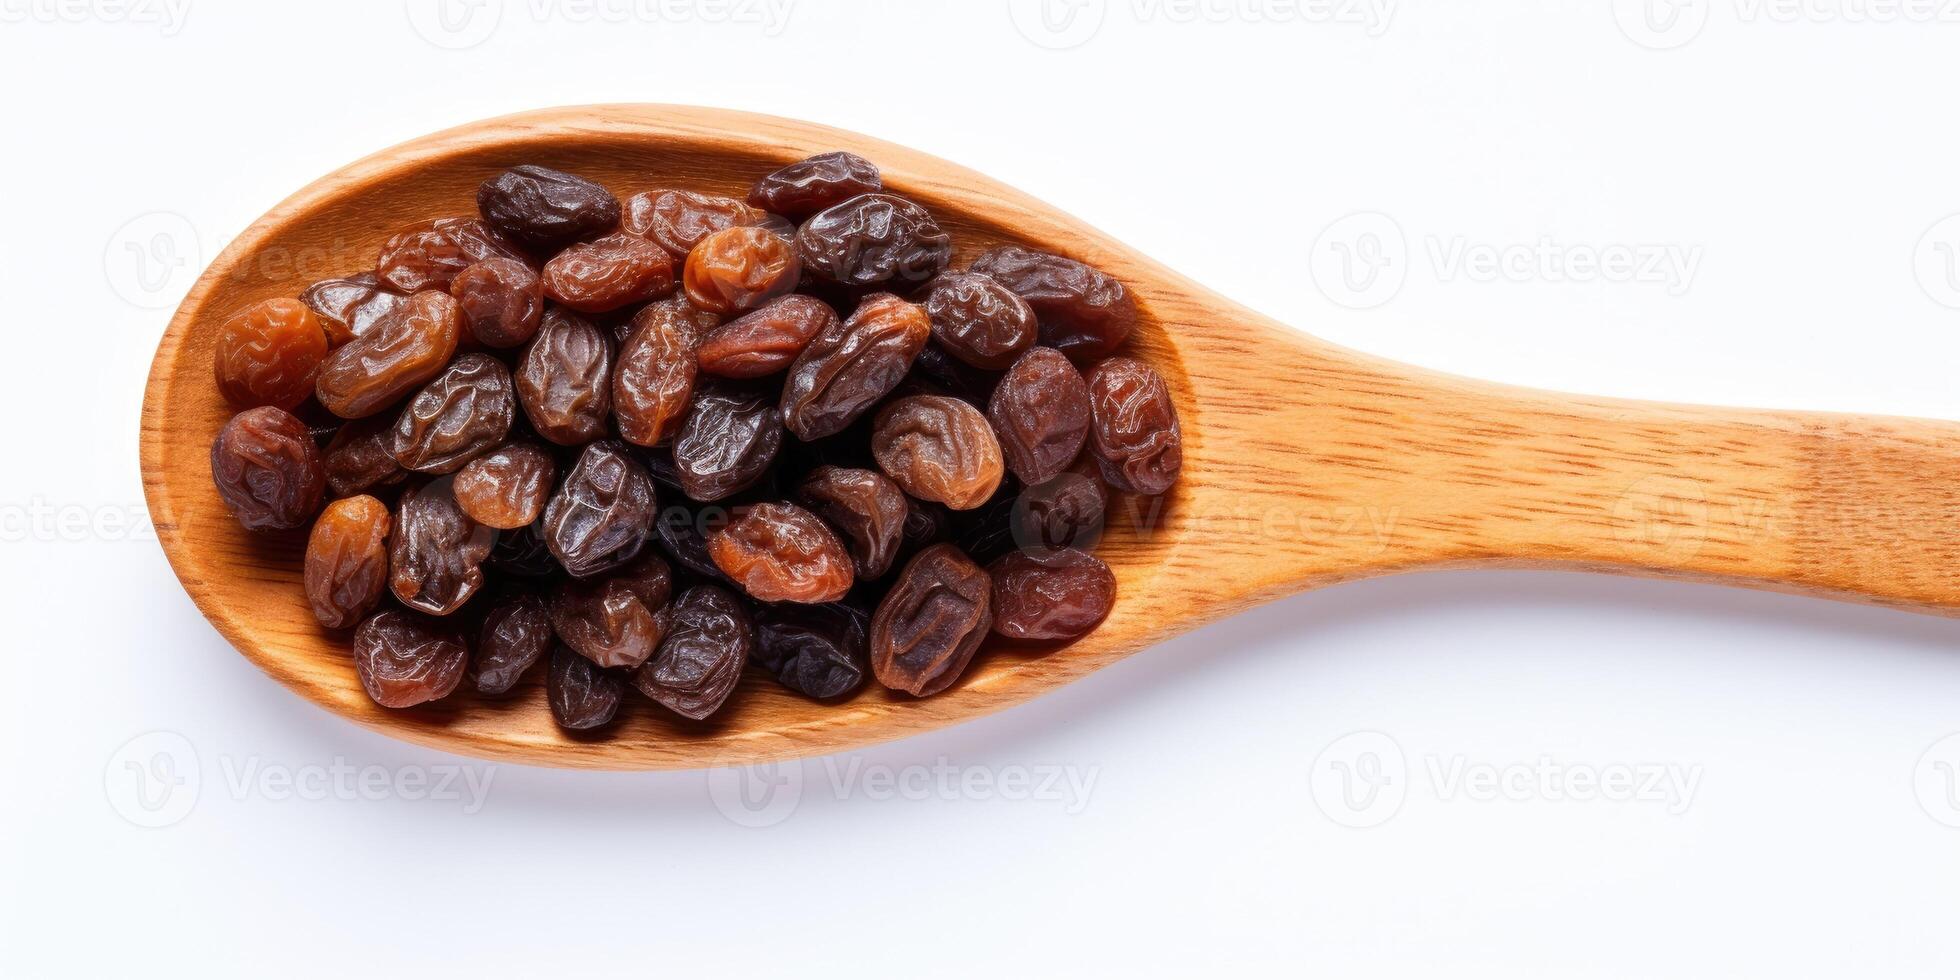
[(1799, 156)]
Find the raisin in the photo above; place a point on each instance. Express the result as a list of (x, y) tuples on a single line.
[(1065, 512), (925, 524), (351, 306), (404, 660), (814, 183), (1135, 434), (873, 240), (602, 514), (931, 622), (608, 273), (1059, 596), (433, 254), (269, 354), (655, 379), (267, 469), (727, 442), (978, 320), (582, 695), (700, 659), (851, 366), (1040, 411), (938, 448), (435, 557), (678, 220), (347, 560), (357, 460), (522, 552), (816, 651), (507, 487), (1084, 312), (564, 380), (502, 301), (371, 372), (738, 269), (545, 209), (616, 621), (515, 634), (766, 340), (868, 509), (783, 553), (465, 412)]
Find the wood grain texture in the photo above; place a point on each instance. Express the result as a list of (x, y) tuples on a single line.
[(1305, 464)]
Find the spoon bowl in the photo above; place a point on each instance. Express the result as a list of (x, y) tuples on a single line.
[(1305, 464)]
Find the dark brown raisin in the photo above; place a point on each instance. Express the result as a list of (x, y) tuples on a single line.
[(1040, 411), (346, 568), (852, 366), (433, 254), (931, 622), (435, 556), (874, 241), (616, 621), (507, 487), (515, 634), (267, 469), (1065, 512), (866, 507), (978, 320), (564, 380), (602, 514), (545, 209), (269, 354), (1084, 312), (465, 412), (727, 442), (814, 183), (940, 449), (582, 696), (782, 553), (700, 660), (502, 301), (816, 651), (368, 374), (767, 340), (655, 378), (608, 273), (1135, 434), (1059, 596), (351, 306), (404, 660), (357, 459)]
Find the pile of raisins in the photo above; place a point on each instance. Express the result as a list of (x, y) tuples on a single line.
[(652, 442)]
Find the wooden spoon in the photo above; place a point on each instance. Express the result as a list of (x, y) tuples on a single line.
[(1305, 464)]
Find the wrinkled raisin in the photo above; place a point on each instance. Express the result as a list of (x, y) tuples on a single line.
[(608, 273), (978, 320), (404, 660), (700, 660), (515, 634), (1059, 596), (616, 621), (351, 306), (507, 487), (602, 514), (582, 695), (347, 560), (655, 377), (1084, 312), (465, 412), (816, 651), (1135, 434), (873, 241), (269, 353), (357, 460), (738, 269), (267, 469), (783, 553), (727, 442), (502, 301), (814, 183), (545, 209), (866, 507), (852, 365), (435, 556), (938, 448), (931, 622), (432, 255), (766, 340), (371, 372), (678, 220), (564, 380), (1065, 512), (1040, 411)]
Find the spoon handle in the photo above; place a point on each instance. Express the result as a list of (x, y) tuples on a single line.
[(1352, 466)]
